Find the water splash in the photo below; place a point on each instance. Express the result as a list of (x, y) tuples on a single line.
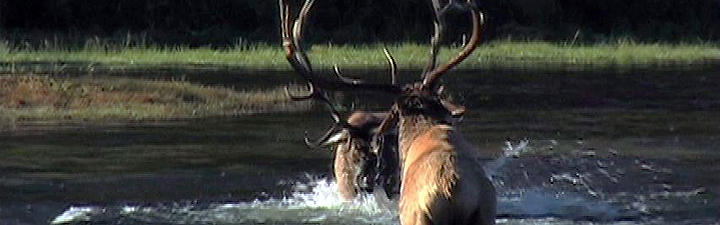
[(534, 199), (559, 187), (543, 203), (510, 151), (77, 214), (314, 202)]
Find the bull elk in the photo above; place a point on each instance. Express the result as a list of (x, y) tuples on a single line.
[(358, 165), (442, 181)]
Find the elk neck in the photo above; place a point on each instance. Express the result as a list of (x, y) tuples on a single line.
[(411, 127)]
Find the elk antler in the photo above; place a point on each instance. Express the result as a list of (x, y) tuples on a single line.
[(393, 66), (292, 43), (391, 63), (338, 122), (438, 25), (432, 74), (292, 32), (343, 78), (292, 37)]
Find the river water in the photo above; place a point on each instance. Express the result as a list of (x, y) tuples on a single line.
[(642, 151)]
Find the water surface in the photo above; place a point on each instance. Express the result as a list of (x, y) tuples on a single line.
[(580, 148), (256, 170)]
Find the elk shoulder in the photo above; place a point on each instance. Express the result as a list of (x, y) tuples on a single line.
[(443, 181)]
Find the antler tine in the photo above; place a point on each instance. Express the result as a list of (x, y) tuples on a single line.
[(439, 27), (393, 66), (343, 78), (321, 142), (337, 121), (315, 93), (391, 63), (292, 38), (333, 112), (284, 15), (301, 98), (435, 45), (431, 77), (300, 23), (318, 94)]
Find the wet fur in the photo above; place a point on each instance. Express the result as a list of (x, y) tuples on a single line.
[(442, 181), (355, 161)]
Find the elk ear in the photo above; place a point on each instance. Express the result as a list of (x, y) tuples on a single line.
[(456, 111), (338, 137)]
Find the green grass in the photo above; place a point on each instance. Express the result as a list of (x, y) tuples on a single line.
[(620, 54), (497, 54), (32, 97)]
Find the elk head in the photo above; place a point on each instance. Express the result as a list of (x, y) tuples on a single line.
[(359, 165), (423, 103)]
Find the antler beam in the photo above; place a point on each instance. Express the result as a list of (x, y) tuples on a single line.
[(292, 33), (431, 76)]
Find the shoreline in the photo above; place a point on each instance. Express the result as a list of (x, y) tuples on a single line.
[(48, 98), (176, 83)]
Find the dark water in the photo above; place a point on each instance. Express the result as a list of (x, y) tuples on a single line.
[(644, 152)]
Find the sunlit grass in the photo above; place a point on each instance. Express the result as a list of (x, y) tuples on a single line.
[(24, 96), (502, 54), (29, 97), (609, 54)]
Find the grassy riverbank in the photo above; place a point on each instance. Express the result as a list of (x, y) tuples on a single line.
[(24, 96), (497, 54), (28, 97)]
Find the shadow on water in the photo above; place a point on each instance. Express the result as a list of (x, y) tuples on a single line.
[(607, 147)]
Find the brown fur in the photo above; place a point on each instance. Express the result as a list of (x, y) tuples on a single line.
[(442, 181), (346, 164), (354, 154)]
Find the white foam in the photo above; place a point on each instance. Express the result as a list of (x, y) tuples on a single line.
[(316, 201), (312, 202), (539, 202), (76, 214), (510, 151)]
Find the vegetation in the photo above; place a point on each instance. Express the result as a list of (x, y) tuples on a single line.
[(622, 53), (29, 97), (498, 54), (220, 22)]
